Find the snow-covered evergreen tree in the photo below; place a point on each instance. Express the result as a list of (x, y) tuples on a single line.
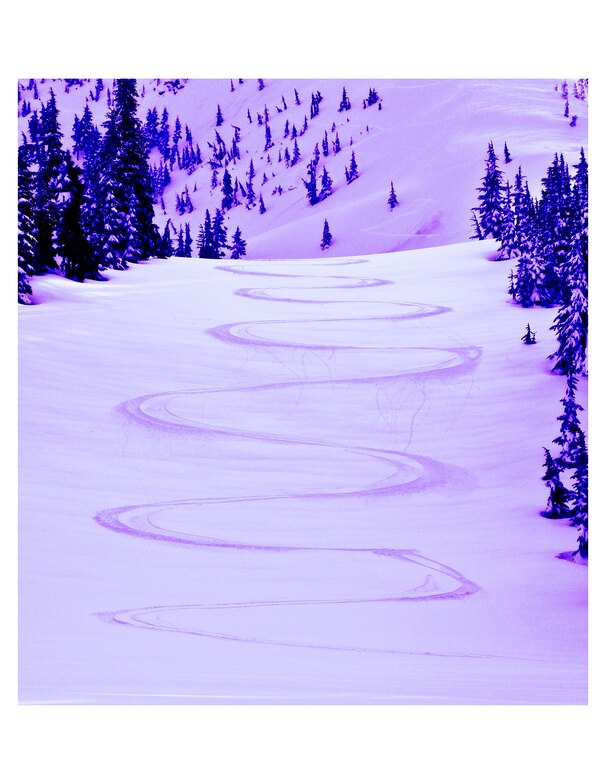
[(326, 185), (559, 497), (392, 200), (78, 259), (490, 197), (326, 237), (238, 246)]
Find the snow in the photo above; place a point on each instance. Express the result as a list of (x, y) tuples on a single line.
[(311, 481), (430, 139)]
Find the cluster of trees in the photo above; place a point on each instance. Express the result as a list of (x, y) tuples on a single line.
[(82, 220), (212, 242), (548, 237)]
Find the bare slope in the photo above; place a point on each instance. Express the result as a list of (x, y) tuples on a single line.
[(259, 483)]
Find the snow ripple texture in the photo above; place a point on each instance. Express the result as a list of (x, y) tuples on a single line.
[(182, 522)]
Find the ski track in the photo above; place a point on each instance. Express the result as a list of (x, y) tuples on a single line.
[(407, 472)]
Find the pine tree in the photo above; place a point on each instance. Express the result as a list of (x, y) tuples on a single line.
[(77, 255), (238, 246), (166, 249), (571, 322), (251, 170), (296, 154), (581, 498), (26, 211), (345, 104), (268, 141), (326, 237), (27, 238), (506, 155), (219, 117), (262, 209), (228, 191), (507, 242), (351, 174), (325, 149), (311, 185), (559, 497), (490, 197), (187, 242), (326, 185), (570, 438), (297, 99), (126, 179), (180, 251), (219, 236), (392, 201)]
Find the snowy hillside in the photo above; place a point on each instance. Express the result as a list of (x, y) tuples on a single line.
[(428, 137), (243, 483)]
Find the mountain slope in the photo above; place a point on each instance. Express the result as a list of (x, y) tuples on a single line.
[(429, 138)]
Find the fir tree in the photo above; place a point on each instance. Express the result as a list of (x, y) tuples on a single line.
[(27, 239), (351, 174), (297, 99), (311, 185), (77, 255), (228, 191), (187, 242), (166, 249), (262, 209), (326, 237), (507, 242), (570, 438), (506, 155), (392, 201), (296, 154), (581, 498), (238, 246), (325, 145), (326, 185), (571, 322), (219, 236), (490, 197), (268, 141), (345, 104), (219, 117), (559, 497)]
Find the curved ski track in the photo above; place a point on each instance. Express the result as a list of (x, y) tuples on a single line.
[(405, 472)]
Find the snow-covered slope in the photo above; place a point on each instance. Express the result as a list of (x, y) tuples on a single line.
[(429, 138), (255, 483)]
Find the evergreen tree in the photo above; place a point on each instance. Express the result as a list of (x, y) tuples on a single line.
[(506, 155), (251, 170), (187, 242), (268, 141), (490, 197), (78, 261), (296, 154), (219, 236), (581, 498), (238, 246), (392, 201), (559, 497), (180, 252), (507, 242), (228, 191), (311, 185), (166, 249), (326, 185), (570, 439), (351, 174), (297, 99), (345, 104), (571, 322), (26, 211), (326, 237), (325, 144), (262, 208), (219, 117), (127, 184)]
